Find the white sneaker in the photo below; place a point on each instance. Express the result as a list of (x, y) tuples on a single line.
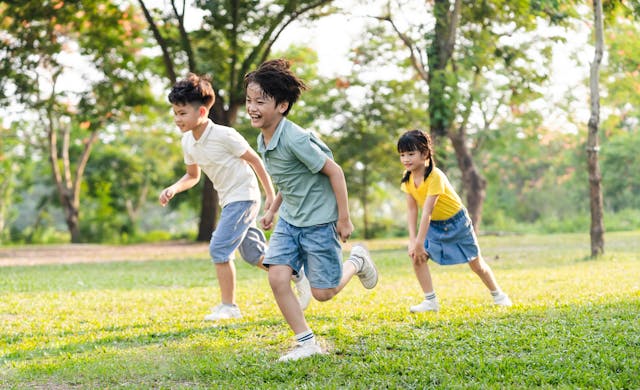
[(223, 312), (368, 273), (303, 289), (502, 299), (301, 351), (426, 305)]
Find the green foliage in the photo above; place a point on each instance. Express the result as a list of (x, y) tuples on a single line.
[(620, 155), (621, 78), (124, 176), (139, 324)]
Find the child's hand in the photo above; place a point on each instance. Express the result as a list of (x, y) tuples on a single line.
[(345, 228), (267, 220), (419, 254), (411, 249), (268, 201), (166, 195)]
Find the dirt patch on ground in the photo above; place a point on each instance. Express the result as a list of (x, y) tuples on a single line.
[(93, 253)]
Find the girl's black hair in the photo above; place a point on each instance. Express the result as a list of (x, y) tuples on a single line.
[(416, 141), (278, 81)]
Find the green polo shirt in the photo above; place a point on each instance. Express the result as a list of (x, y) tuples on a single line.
[(294, 158)]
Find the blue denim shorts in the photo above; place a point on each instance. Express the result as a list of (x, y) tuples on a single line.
[(452, 241), (237, 230), (316, 248)]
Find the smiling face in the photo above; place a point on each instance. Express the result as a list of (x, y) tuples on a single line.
[(263, 111), (189, 116), (414, 161)]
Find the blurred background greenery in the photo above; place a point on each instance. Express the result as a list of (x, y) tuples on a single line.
[(87, 139)]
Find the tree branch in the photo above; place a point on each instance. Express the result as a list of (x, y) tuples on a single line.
[(184, 37), (166, 56), (416, 60)]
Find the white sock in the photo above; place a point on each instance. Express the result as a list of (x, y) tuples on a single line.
[(430, 296), (357, 262), (496, 293), (306, 337)]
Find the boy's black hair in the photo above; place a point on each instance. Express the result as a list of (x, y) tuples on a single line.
[(195, 90), (277, 81), (416, 141)]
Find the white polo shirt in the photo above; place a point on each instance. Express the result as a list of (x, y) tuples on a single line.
[(218, 153)]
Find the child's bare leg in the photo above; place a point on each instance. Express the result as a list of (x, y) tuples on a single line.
[(280, 281), (421, 268), (482, 269), (227, 281), (324, 294)]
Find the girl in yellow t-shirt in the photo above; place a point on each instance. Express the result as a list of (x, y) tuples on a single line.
[(445, 233)]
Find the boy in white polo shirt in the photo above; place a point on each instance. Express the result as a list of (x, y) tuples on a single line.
[(230, 162)]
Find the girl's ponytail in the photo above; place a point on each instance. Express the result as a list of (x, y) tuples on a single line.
[(406, 177), (427, 171)]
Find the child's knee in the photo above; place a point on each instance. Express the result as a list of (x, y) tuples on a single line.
[(322, 294), (279, 278)]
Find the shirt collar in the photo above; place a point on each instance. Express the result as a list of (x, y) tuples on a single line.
[(275, 139), (206, 133)]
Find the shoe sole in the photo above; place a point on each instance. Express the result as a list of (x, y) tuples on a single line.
[(221, 318), (285, 359)]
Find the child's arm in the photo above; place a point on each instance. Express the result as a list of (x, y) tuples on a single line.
[(412, 223), (419, 253), (267, 220), (252, 158), (190, 179), (339, 185)]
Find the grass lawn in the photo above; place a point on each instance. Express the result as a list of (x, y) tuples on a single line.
[(575, 324)]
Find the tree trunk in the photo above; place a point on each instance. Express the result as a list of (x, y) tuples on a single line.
[(474, 183), (67, 184), (595, 189), (441, 109), (72, 218)]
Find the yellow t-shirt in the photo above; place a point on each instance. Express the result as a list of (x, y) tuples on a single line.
[(448, 204)]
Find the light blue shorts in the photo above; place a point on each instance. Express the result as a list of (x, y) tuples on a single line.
[(237, 230), (452, 241), (316, 248)]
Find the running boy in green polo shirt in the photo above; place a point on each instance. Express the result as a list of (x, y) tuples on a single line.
[(311, 199)]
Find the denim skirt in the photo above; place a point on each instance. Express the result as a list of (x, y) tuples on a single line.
[(452, 241)]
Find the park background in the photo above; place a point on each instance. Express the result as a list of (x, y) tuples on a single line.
[(100, 287)]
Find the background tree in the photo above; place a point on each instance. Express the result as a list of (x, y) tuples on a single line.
[(233, 39), (40, 40), (121, 178), (595, 179)]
